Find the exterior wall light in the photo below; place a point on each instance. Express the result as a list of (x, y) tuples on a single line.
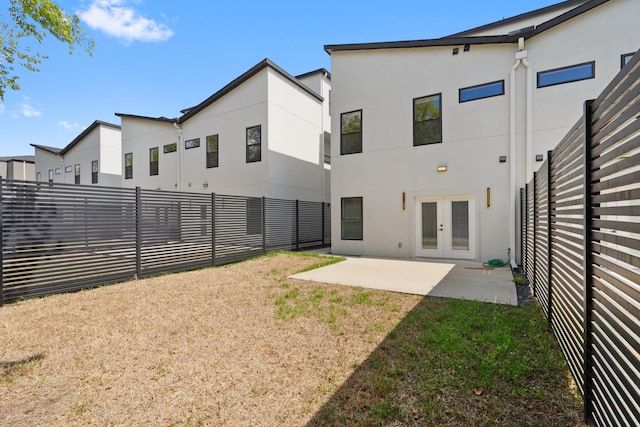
[(404, 200), (442, 168), (503, 159), (539, 157), (205, 185)]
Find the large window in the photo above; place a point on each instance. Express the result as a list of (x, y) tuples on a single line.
[(94, 172), (77, 174), (254, 144), (351, 132), (624, 59), (153, 161), (427, 120), (351, 218), (254, 215), (212, 151), (569, 74), (128, 166), (486, 90)]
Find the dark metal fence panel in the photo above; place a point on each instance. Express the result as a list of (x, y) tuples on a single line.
[(529, 262), (310, 224), (238, 228), (175, 231), (541, 218), (326, 224), (615, 249), (64, 237), (280, 224)]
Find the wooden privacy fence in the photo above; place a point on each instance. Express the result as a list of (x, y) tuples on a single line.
[(581, 249), (66, 237)]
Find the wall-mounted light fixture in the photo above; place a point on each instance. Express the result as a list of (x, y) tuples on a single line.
[(539, 157), (404, 200), (205, 185), (502, 159), (442, 168), (455, 51), (467, 47), (488, 197)]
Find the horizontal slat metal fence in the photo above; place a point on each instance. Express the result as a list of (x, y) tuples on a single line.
[(66, 237), (593, 290)]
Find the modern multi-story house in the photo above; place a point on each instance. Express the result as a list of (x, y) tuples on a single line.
[(93, 157), (436, 137), (266, 133), (18, 167)]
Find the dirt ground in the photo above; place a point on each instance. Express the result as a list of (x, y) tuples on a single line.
[(209, 347)]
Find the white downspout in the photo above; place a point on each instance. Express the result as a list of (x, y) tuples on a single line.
[(61, 159), (322, 171), (179, 165)]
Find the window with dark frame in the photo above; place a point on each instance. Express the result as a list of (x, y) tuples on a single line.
[(625, 58), (572, 73), (50, 175), (254, 215), (351, 216), (351, 132), (77, 174), (427, 120), (254, 144), (212, 151), (486, 90), (94, 172), (128, 166), (38, 176), (68, 169), (170, 148), (192, 143), (153, 161)]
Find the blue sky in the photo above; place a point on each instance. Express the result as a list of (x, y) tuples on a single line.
[(156, 57)]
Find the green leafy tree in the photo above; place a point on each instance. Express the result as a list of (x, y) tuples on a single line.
[(30, 20)]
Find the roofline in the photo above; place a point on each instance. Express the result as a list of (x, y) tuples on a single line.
[(459, 39), (157, 119), (27, 159), (87, 131), (239, 81), (522, 16), (319, 70), (52, 150)]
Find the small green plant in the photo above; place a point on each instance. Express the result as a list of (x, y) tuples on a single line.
[(520, 280), (79, 408)]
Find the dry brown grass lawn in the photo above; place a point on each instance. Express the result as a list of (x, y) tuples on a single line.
[(210, 347)]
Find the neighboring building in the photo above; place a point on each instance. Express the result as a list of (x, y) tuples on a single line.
[(18, 167), (93, 157), (433, 139), (263, 134)]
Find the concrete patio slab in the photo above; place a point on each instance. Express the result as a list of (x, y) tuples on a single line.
[(450, 279)]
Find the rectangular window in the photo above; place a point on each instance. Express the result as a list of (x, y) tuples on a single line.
[(486, 90), (170, 148), (50, 175), (624, 59), (77, 174), (153, 161), (58, 171), (68, 169), (351, 218), (254, 144), (351, 132), (427, 120), (192, 143), (94, 172), (38, 176), (128, 166), (254, 215), (569, 74), (212, 151)]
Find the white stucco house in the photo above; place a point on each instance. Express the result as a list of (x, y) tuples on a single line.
[(266, 133), (433, 139), (18, 167), (93, 157)]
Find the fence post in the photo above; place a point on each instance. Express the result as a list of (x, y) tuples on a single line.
[(213, 229), (588, 262), (297, 225), (322, 208), (549, 246), (1, 243), (138, 233), (264, 225), (534, 252)]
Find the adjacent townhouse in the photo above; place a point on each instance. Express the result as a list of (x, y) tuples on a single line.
[(93, 157), (266, 133), (18, 167), (436, 137)]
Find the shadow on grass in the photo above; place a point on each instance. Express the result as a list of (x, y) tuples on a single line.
[(452, 362)]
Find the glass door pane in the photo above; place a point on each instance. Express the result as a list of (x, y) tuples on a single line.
[(460, 225), (429, 225)]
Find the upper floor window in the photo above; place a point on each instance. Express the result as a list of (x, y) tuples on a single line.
[(153, 161), (38, 176), (486, 90), (572, 73), (50, 175), (254, 144), (94, 172), (427, 120), (58, 171), (625, 58), (192, 143), (351, 132), (77, 174), (170, 148), (128, 166), (212, 151), (68, 169)]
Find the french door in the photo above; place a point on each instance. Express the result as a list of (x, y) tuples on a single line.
[(445, 227)]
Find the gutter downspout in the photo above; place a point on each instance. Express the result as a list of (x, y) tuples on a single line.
[(322, 170), (179, 164), (61, 159)]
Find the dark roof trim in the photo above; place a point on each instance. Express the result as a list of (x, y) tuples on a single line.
[(310, 73), (27, 159), (459, 38), (158, 119), (52, 150), (240, 80), (86, 132), (526, 15)]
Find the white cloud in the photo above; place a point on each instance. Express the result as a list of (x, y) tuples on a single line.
[(1, 108), (117, 19), (68, 126), (27, 110)]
